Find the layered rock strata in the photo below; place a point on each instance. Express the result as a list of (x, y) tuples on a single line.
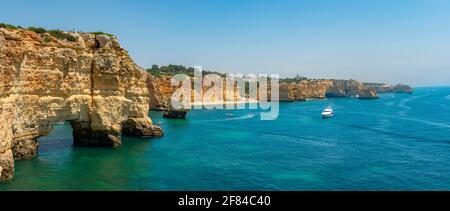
[(319, 89), (386, 88), (161, 92), (90, 81)]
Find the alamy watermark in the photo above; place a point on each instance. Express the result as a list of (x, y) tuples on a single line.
[(230, 92)]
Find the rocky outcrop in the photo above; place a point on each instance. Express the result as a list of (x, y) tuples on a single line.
[(161, 91), (141, 127), (174, 114), (345, 88), (319, 89), (314, 88), (386, 88), (380, 88), (401, 88), (286, 93), (90, 81), (367, 94)]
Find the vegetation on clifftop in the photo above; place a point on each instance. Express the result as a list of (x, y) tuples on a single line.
[(171, 70), (55, 33), (9, 26), (59, 34), (102, 33)]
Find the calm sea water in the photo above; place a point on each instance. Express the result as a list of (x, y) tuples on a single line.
[(399, 142)]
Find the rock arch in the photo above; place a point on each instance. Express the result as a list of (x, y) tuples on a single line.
[(91, 82)]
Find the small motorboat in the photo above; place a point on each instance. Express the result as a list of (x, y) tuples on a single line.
[(251, 115), (328, 113), (230, 115)]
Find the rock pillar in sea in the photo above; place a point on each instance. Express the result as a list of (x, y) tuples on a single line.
[(86, 79), (25, 149), (141, 127), (84, 135)]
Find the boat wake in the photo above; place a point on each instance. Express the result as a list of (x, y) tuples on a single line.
[(389, 103), (248, 116), (286, 137), (403, 103), (390, 133), (446, 107)]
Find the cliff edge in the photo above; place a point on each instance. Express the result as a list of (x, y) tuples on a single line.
[(86, 79)]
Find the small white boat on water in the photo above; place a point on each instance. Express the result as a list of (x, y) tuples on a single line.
[(230, 115), (328, 113)]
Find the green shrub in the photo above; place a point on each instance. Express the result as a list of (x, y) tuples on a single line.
[(8, 26), (47, 40), (177, 69), (38, 30), (62, 35), (102, 33)]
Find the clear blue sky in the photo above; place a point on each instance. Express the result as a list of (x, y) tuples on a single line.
[(371, 40)]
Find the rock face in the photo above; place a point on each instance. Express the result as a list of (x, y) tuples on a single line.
[(319, 89), (91, 82), (367, 94), (174, 114), (386, 88), (161, 92), (308, 89), (400, 88), (286, 93), (344, 88)]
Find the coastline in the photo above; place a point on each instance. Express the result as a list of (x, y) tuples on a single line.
[(226, 103)]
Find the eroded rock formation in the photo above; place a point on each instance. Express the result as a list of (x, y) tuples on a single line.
[(401, 88), (161, 91), (386, 88), (286, 93), (319, 89), (91, 82)]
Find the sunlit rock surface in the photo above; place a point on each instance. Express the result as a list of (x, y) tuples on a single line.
[(91, 82)]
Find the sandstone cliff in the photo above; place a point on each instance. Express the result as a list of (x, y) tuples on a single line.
[(286, 93), (319, 89), (386, 88), (401, 88), (89, 80), (161, 92)]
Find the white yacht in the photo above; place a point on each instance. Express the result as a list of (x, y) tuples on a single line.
[(328, 113)]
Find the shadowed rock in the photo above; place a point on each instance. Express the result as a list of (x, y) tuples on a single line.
[(173, 114), (141, 128)]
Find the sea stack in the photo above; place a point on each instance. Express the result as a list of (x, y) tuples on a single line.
[(86, 79)]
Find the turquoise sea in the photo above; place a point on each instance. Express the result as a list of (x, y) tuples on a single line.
[(399, 142)]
